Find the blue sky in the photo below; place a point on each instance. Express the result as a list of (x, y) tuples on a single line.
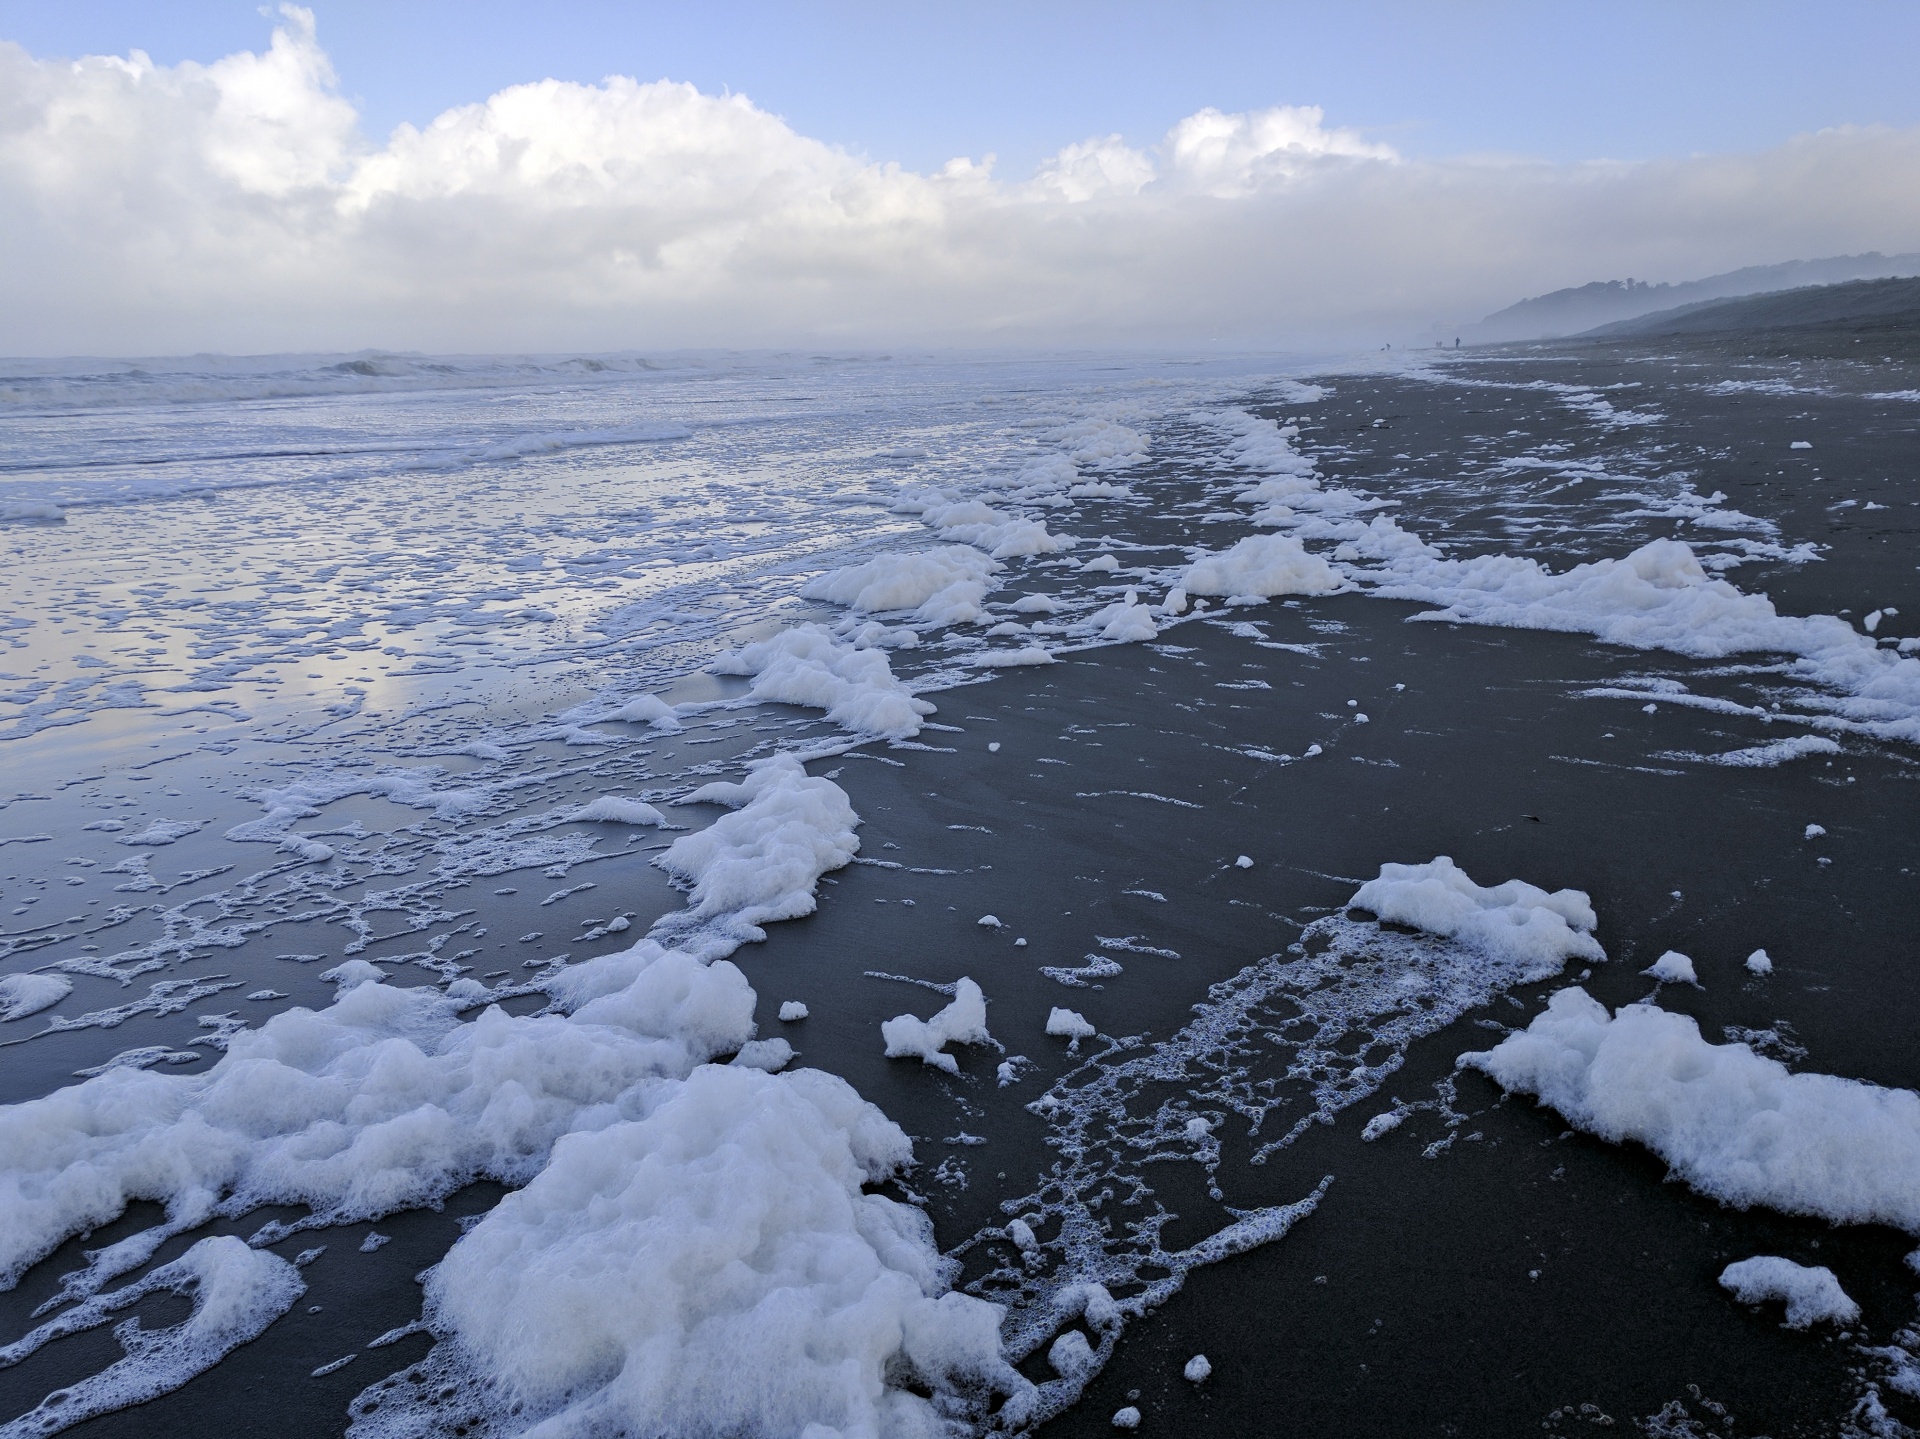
[(921, 83), (773, 174)]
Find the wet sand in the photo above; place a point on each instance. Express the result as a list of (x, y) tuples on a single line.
[(1527, 1270), (1480, 1269)]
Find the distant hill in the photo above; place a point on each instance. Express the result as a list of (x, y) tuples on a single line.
[(1574, 311), (1866, 305)]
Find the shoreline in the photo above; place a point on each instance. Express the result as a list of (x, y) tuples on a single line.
[(1489, 755)]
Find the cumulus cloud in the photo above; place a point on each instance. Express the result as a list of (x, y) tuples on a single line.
[(1093, 169), (1235, 156), (238, 205)]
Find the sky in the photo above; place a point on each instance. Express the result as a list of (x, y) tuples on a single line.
[(397, 175)]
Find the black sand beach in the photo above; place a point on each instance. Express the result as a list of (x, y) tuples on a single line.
[(1480, 1269), (1527, 1271)]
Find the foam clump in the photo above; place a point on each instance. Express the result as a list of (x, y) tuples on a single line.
[(1658, 597), (1036, 604), (730, 1196), (807, 666), (763, 861), (770, 1055), (1515, 921), (617, 809), (1069, 1024), (1381, 1124), (1127, 621), (1127, 1418), (1733, 1124), (1100, 442), (976, 523), (872, 635), (382, 1101), (1814, 831), (1013, 659), (1774, 753), (1759, 962), (792, 1009), (1673, 967), (1198, 1370), (964, 1021), (1262, 566), (1278, 491), (945, 586), (24, 994), (1089, 1301), (1071, 1356), (1262, 445), (1811, 1292), (237, 1292), (735, 1206), (351, 973), (1001, 535), (649, 710)]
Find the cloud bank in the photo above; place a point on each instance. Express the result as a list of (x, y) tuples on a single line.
[(238, 206)]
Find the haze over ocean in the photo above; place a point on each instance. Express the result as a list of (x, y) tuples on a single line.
[(672, 766)]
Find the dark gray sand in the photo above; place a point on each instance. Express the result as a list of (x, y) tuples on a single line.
[(1479, 1270), (1522, 1269)]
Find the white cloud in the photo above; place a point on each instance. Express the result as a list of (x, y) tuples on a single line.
[(1092, 170), (236, 205), (1234, 156)]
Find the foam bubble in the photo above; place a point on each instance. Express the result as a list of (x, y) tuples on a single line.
[(1733, 1124)]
